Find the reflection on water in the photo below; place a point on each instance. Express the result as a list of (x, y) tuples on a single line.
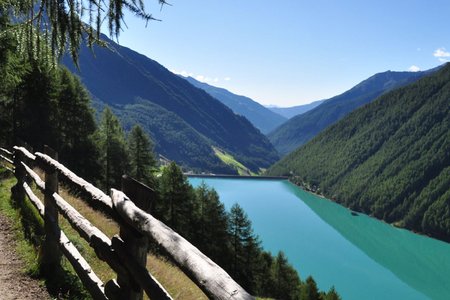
[(362, 257)]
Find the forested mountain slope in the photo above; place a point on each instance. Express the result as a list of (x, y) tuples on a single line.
[(176, 139), (390, 158), (119, 76), (261, 117), (300, 129)]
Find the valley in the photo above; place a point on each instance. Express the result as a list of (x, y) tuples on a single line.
[(303, 148)]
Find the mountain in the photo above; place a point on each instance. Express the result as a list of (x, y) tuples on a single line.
[(390, 158), (289, 112), (129, 81), (261, 117), (302, 128)]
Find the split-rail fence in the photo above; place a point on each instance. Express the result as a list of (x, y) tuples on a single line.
[(125, 253)]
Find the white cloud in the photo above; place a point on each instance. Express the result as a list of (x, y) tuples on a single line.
[(443, 60), (414, 68), (441, 53), (199, 77), (183, 73)]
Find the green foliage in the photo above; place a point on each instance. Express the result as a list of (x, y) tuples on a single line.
[(173, 137), (389, 158), (211, 224), (287, 282), (310, 291), (75, 127), (177, 200), (62, 23), (114, 157), (42, 105), (142, 161), (232, 162), (245, 246)]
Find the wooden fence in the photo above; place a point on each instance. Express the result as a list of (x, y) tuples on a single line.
[(125, 253)]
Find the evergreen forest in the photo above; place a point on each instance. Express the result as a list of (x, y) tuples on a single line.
[(389, 159)]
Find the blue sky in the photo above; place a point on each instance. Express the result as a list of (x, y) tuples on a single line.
[(292, 52)]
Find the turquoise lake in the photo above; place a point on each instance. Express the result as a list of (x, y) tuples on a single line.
[(361, 256)]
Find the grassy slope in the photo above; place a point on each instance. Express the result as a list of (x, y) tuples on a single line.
[(173, 279), (229, 160)]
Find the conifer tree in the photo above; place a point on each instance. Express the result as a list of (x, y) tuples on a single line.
[(176, 200), (142, 161), (287, 282), (36, 106), (113, 150), (332, 294), (63, 25), (310, 290), (76, 126), (11, 72), (211, 234), (244, 244)]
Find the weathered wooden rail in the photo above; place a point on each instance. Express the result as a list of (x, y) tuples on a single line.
[(125, 253)]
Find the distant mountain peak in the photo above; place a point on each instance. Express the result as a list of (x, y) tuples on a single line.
[(302, 128), (261, 117)]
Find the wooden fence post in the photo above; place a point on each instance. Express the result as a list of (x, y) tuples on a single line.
[(50, 253), (17, 191), (136, 244)]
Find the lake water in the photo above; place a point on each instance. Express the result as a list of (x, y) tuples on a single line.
[(361, 256)]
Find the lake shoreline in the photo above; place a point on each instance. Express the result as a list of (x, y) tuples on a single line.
[(236, 176)]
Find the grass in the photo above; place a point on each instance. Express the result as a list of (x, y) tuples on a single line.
[(231, 161), (172, 278), (29, 232), (24, 248)]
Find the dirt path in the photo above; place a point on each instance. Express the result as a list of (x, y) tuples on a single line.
[(13, 284)]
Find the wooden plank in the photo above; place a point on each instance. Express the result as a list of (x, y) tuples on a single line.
[(139, 272), (25, 152), (113, 290), (6, 159), (80, 223), (89, 279), (7, 152), (137, 244), (50, 255), (212, 279), (39, 182), (88, 191), (8, 168), (94, 236), (17, 191), (34, 200)]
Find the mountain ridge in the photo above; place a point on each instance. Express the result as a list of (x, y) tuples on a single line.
[(302, 128), (261, 117), (118, 76), (293, 111)]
